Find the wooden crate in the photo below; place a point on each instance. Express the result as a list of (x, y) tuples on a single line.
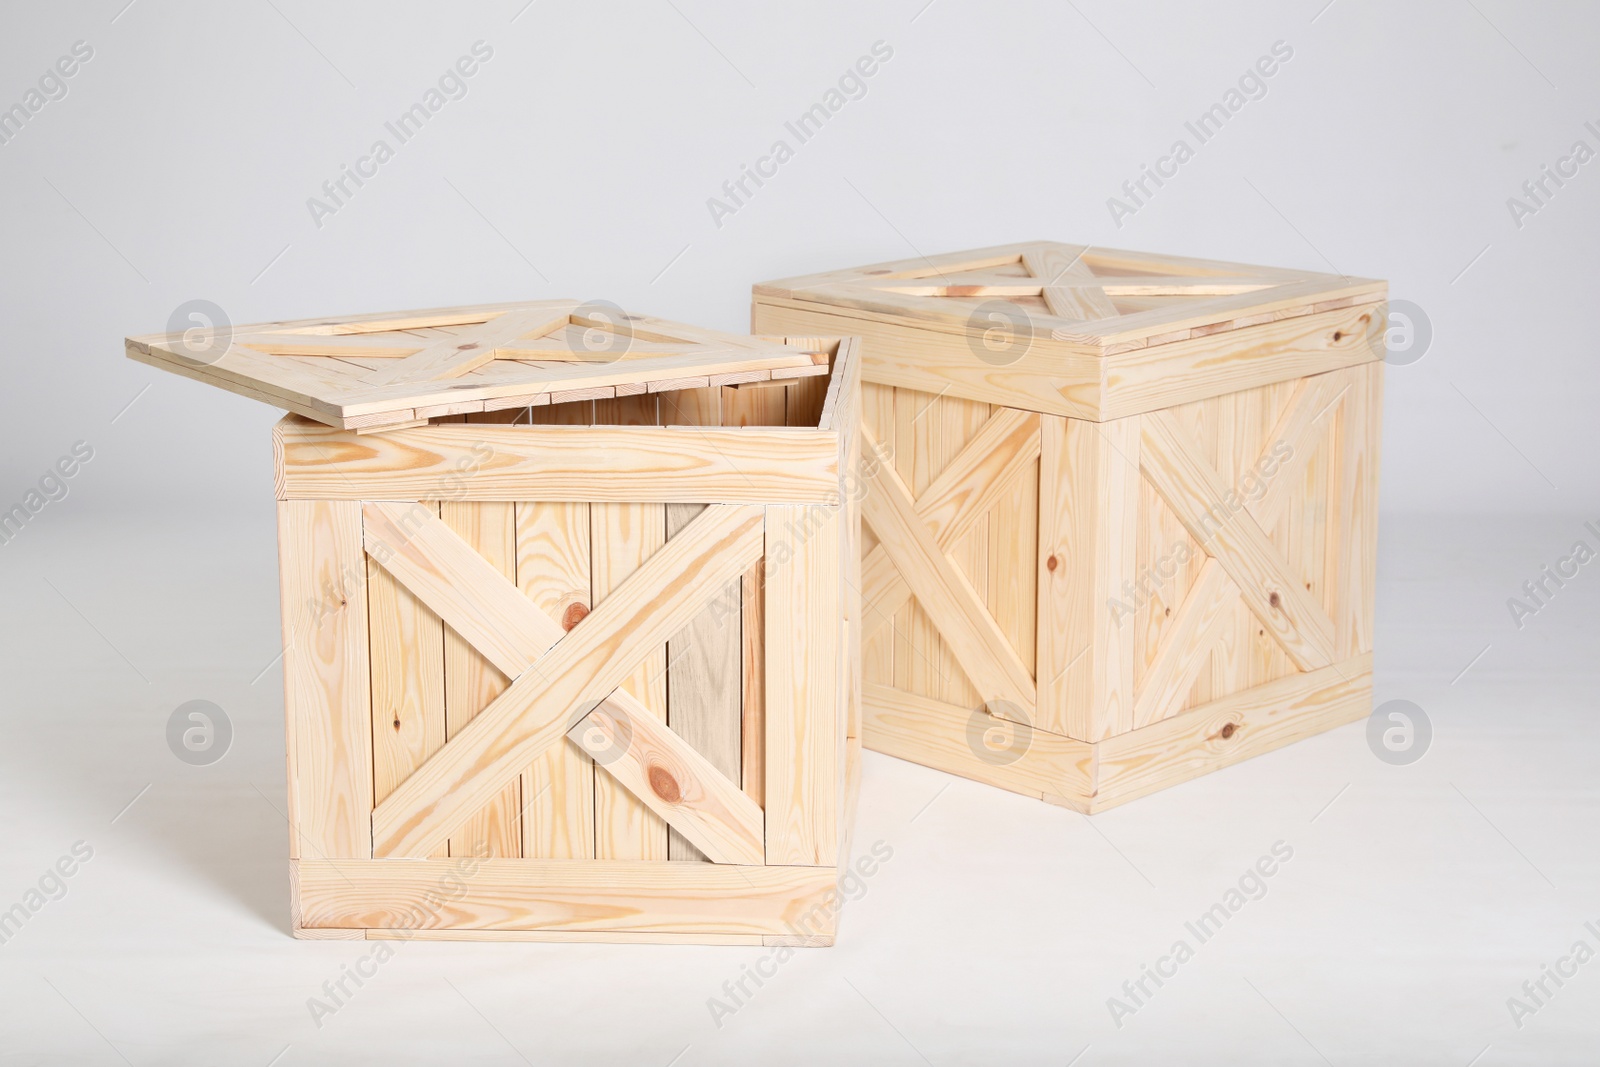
[(1125, 526), (568, 633)]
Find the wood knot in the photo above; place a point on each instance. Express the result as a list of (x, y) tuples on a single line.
[(1338, 335), (663, 785), (1228, 730), (574, 614), (1275, 600), (1052, 563), (469, 346)]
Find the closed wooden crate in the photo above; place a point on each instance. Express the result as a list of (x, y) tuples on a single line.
[(1122, 524), (567, 599)]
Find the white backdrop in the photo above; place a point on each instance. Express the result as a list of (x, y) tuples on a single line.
[(581, 158), (155, 153)]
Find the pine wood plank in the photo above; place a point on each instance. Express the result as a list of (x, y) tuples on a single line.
[(408, 710), (936, 734), (623, 464), (1234, 728), (945, 594), (472, 682), (634, 620), (1198, 496), (553, 573), (704, 703), (1088, 514), (326, 678), (1186, 646), (969, 487), (679, 785), (803, 658), (1360, 439), (624, 537), (557, 895)]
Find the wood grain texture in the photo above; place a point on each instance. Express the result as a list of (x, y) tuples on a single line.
[(1360, 430), (553, 573), (326, 678), (1231, 729), (367, 370), (1088, 511), (704, 700), (944, 592), (599, 895), (1215, 516), (472, 682), (973, 744), (624, 537), (633, 621), (681, 787), (459, 580), (627, 464), (965, 492), (408, 709), (803, 655)]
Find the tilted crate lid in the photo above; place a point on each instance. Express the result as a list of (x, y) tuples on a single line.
[(1103, 299), (371, 371)]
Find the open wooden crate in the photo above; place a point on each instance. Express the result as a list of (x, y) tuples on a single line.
[(566, 601), (1125, 530)]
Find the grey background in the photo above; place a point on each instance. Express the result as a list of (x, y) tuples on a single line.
[(579, 164)]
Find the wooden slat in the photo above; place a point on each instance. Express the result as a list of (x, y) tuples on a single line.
[(472, 682), (1186, 645), (634, 620), (1360, 430), (803, 657), (944, 593), (703, 659), (455, 356), (1088, 549), (1070, 288), (458, 582), (557, 895), (407, 650), (1231, 729), (553, 573), (326, 678), (936, 734), (967, 489), (1199, 497), (625, 536), (753, 682), (632, 464), (680, 786), (1164, 375)]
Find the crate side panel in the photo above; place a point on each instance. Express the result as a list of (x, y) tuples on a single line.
[(326, 678), (472, 682), (408, 700), (624, 536), (553, 571)]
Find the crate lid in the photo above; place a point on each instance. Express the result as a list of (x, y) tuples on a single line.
[(377, 370), (1104, 299)]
